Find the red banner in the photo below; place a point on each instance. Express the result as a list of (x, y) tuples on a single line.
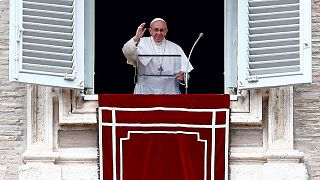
[(157, 137)]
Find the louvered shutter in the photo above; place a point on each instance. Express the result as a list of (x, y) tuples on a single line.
[(47, 42), (274, 43)]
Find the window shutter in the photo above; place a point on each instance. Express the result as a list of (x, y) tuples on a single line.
[(47, 42), (274, 43)]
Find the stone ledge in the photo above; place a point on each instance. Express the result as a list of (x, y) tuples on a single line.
[(66, 154), (79, 119), (39, 156), (252, 154), (290, 156), (78, 154)]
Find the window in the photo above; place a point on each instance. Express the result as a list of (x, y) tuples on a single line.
[(268, 43), (183, 29)]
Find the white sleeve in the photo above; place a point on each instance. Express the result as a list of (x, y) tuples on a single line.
[(129, 50)]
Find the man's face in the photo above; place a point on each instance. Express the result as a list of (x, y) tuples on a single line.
[(158, 31)]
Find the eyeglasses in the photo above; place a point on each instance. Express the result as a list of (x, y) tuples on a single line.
[(158, 30)]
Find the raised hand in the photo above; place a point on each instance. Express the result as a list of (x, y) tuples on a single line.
[(139, 33)]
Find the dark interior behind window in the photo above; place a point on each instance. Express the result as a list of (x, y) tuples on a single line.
[(118, 22)]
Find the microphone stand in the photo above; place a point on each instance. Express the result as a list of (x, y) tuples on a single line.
[(187, 71)]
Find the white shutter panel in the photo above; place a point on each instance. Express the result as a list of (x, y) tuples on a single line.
[(47, 42), (274, 43)]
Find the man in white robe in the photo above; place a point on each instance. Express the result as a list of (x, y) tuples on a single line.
[(161, 64)]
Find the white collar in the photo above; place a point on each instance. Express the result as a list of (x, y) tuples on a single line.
[(158, 43)]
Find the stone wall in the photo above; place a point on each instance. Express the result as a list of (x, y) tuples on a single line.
[(307, 105), (12, 107)]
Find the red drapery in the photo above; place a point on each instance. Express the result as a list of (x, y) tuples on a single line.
[(145, 149)]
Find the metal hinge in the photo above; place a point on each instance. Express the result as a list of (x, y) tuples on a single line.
[(69, 77), (19, 31), (252, 79)]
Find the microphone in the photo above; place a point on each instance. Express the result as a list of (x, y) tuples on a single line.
[(187, 71)]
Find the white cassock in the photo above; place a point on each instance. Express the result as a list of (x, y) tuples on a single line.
[(156, 64)]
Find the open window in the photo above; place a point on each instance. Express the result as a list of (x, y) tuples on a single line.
[(268, 43), (113, 75)]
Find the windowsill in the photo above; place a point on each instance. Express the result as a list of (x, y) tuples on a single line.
[(94, 97), (233, 97)]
